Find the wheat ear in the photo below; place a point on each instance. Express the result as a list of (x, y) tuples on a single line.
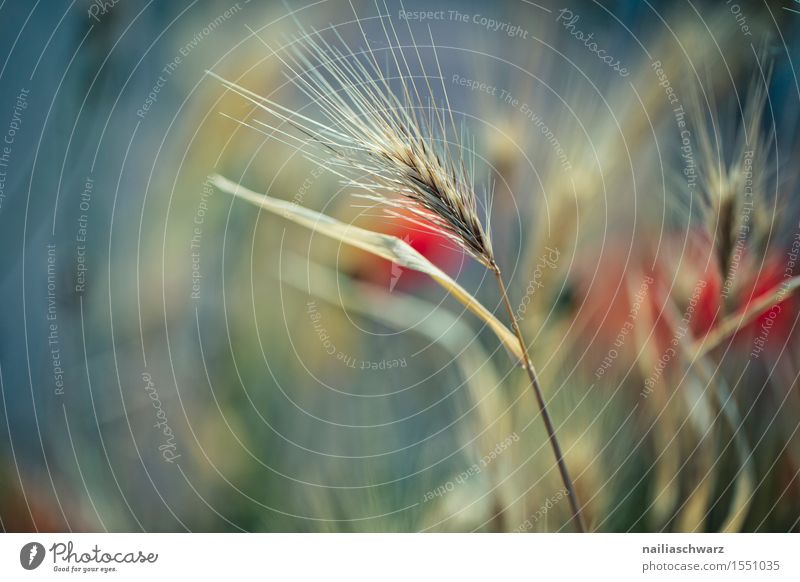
[(396, 151)]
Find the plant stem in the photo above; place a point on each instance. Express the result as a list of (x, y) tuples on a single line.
[(577, 518), (735, 322)]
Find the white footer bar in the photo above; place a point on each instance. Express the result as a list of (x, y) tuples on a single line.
[(389, 557)]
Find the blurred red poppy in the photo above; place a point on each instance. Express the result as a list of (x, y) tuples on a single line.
[(434, 246)]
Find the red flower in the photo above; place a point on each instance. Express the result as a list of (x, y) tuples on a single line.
[(433, 246)]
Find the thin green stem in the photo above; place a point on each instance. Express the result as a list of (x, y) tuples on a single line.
[(577, 518)]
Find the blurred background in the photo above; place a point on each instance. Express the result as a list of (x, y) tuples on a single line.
[(174, 360)]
